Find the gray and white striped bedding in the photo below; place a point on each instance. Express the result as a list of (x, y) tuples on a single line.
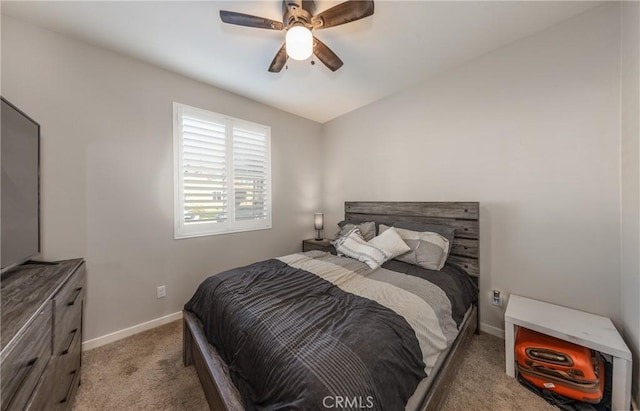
[(307, 330)]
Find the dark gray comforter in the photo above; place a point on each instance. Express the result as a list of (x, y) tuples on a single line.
[(313, 331)]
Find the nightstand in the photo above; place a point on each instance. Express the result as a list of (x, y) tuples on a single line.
[(322, 245)]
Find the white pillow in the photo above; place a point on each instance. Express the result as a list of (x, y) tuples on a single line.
[(354, 246), (390, 243)]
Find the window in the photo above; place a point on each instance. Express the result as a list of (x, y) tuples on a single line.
[(222, 173)]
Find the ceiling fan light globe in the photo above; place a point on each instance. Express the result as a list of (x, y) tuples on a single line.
[(299, 43)]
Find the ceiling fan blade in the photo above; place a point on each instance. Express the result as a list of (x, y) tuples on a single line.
[(279, 60), (326, 56), (343, 13), (248, 20)]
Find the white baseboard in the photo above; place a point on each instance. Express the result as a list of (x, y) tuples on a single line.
[(490, 329), (127, 332)]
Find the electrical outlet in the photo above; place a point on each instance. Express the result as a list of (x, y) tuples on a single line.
[(162, 291), (496, 298)]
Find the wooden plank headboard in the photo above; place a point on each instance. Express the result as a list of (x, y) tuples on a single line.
[(463, 216)]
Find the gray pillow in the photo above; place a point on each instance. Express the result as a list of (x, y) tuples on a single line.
[(367, 229), (428, 249)]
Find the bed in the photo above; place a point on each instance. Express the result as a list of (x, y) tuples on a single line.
[(428, 392)]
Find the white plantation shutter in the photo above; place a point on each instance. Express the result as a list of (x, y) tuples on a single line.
[(251, 172), (222, 168), (204, 170)]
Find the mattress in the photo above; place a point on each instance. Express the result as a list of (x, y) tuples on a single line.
[(308, 327)]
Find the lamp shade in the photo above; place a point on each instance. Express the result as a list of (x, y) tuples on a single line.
[(318, 221), (299, 43)]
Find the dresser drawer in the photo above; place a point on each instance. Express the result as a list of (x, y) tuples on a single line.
[(59, 382), (25, 360), (69, 359), (42, 398), (67, 332), (67, 386), (68, 311)]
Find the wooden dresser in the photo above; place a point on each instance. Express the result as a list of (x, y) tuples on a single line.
[(41, 338)]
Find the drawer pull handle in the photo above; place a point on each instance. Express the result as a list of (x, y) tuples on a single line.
[(66, 397), (70, 338), (26, 370), (75, 297)]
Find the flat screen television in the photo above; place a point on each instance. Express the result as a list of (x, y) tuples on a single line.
[(20, 181)]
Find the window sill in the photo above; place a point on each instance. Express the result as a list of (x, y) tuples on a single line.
[(177, 236)]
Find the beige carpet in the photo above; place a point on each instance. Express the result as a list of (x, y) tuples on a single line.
[(145, 372)]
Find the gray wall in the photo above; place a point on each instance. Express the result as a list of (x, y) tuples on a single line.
[(107, 173), (630, 182), (532, 132)]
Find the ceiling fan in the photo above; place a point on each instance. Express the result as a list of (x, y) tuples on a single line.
[(299, 21)]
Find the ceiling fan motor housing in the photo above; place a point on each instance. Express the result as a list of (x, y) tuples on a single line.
[(296, 15), (307, 5)]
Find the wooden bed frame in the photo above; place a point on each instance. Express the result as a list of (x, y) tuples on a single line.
[(213, 373)]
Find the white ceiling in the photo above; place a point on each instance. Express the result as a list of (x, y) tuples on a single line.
[(403, 43)]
